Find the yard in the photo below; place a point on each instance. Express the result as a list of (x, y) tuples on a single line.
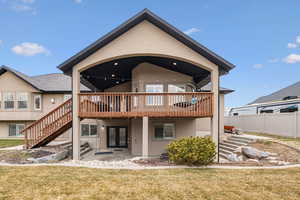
[(83, 183), (287, 140), (10, 142)]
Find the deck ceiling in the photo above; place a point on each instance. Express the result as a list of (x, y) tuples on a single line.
[(109, 74)]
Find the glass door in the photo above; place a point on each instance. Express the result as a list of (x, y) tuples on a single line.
[(117, 137)]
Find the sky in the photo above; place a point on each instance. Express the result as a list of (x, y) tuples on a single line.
[(261, 38)]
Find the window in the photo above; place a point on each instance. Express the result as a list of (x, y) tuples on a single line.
[(22, 100), (164, 131), (174, 99), (154, 100), (0, 100), (9, 99), (15, 130), (67, 97), (88, 130), (37, 102)]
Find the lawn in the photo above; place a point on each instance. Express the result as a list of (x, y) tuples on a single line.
[(10, 143), (295, 141), (82, 183)]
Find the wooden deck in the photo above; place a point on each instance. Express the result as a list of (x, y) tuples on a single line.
[(131, 105)]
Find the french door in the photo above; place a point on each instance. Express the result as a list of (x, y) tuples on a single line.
[(117, 137)]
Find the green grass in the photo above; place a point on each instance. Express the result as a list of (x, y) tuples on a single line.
[(183, 184), (281, 138), (10, 142)]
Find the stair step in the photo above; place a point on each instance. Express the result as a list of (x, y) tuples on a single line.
[(227, 148), (229, 145), (86, 150), (241, 138), (223, 155), (238, 140), (225, 151), (235, 143)]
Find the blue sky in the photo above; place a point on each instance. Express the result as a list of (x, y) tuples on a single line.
[(259, 37)]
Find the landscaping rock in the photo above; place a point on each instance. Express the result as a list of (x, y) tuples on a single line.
[(50, 158), (234, 158), (251, 152)]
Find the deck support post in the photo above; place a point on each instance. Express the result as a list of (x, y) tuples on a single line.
[(75, 115), (215, 118), (145, 143)]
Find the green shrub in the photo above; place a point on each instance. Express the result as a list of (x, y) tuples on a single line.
[(192, 151)]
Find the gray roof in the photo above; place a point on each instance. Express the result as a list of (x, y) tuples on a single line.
[(146, 14), (207, 87), (292, 90), (56, 82)]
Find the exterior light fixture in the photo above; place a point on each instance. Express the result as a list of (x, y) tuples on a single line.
[(113, 75), (117, 82), (115, 64), (174, 63), (102, 127), (52, 100)]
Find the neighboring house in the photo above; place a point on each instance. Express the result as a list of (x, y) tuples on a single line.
[(24, 99), (150, 87), (282, 101)]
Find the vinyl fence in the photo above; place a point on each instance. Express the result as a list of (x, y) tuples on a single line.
[(283, 124)]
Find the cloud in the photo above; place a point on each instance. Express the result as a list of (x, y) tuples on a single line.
[(1, 42), (28, 1), (292, 45), (298, 39), (78, 1), (292, 58), (29, 49), (273, 60), (258, 66), (191, 31)]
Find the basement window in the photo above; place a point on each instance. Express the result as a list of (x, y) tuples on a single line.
[(15, 130), (164, 131), (88, 130)]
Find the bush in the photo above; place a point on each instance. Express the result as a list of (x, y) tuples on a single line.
[(192, 151)]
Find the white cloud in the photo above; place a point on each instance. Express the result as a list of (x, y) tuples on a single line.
[(191, 31), (78, 1), (1, 42), (292, 45), (298, 39), (28, 1), (292, 58), (273, 60), (258, 66), (29, 49)]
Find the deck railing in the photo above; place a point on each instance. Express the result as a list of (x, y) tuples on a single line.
[(48, 124), (126, 104)]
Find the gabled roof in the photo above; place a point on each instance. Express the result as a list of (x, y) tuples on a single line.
[(50, 83), (208, 88), (146, 14), (292, 90)]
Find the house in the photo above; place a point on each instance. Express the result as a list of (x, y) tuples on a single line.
[(150, 86), (282, 101), (24, 99)]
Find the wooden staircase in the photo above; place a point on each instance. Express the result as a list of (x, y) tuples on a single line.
[(49, 127)]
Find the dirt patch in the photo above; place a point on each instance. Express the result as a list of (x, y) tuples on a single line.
[(284, 153), (21, 156)]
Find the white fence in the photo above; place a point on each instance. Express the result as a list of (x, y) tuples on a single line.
[(283, 124)]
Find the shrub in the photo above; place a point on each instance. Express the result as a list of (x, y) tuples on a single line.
[(192, 151)]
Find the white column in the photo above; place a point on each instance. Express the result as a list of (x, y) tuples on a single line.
[(76, 120), (215, 118), (145, 143)]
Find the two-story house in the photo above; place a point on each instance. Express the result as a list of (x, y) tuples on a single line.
[(25, 99), (152, 84)]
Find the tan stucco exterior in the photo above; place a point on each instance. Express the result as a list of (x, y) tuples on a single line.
[(145, 39)]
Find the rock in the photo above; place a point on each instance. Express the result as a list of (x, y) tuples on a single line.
[(283, 163), (234, 158), (50, 158), (271, 158), (251, 152), (252, 160)]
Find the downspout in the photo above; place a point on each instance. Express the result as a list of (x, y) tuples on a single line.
[(218, 119), (72, 114)]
